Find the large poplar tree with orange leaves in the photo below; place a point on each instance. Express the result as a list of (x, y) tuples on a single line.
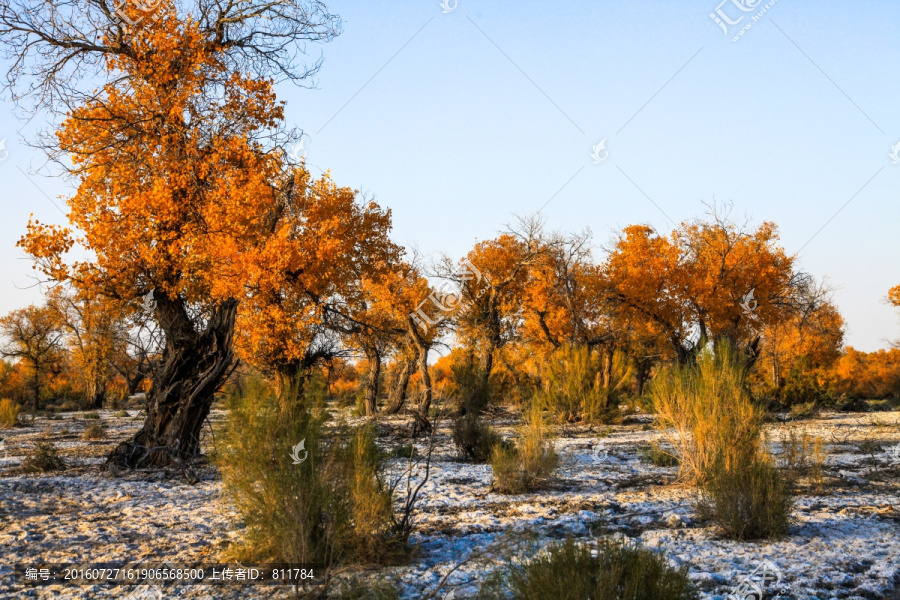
[(180, 170)]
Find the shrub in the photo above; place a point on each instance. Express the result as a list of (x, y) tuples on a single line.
[(717, 432), (806, 410), (659, 457), (45, 457), (804, 455), (90, 416), (603, 569), (705, 410), (573, 387), (472, 390), (474, 439), (121, 413), (330, 508), (94, 431), (528, 464), (401, 451), (747, 501), (9, 413)]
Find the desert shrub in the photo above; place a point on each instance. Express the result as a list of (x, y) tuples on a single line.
[(705, 410), (401, 451), (121, 413), (9, 413), (659, 457), (472, 390), (805, 410), (747, 501), (94, 431), (802, 387), (44, 458), (327, 506), (803, 455), (474, 439), (573, 386), (90, 416), (602, 569), (716, 430), (527, 465)]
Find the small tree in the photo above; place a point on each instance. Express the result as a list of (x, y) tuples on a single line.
[(96, 333), (34, 335)]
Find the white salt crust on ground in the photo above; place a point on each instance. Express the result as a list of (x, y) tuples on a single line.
[(844, 543)]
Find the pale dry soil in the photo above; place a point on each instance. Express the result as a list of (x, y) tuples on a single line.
[(844, 541)]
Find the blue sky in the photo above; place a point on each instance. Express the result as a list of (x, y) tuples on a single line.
[(457, 121)]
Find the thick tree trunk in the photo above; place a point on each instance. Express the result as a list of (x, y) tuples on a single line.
[(398, 392), (372, 385), (194, 366), (423, 347), (98, 398), (642, 372), (290, 380), (487, 364)]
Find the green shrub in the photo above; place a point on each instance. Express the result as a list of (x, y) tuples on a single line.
[(121, 413), (659, 457), (806, 410), (9, 413), (573, 386), (94, 431), (602, 569), (528, 464), (91, 416), (329, 508), (747, 501), (474, 439), (472, 390), (401, 451), (44, 458)]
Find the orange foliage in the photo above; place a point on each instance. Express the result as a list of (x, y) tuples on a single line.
[(866, 374)]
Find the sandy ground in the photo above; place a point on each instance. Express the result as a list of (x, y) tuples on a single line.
[(844, 542)]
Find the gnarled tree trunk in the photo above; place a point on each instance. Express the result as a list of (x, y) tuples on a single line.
[(372, 383), (398, 392), (193, 367)]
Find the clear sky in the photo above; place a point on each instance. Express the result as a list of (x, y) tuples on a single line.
[(459, 120)]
